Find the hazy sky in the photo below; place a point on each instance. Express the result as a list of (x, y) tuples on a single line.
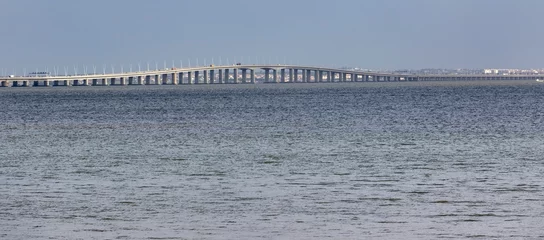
[(377, 34)]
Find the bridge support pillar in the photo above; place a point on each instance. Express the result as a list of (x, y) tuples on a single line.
[(329, 75), (226, 76), (123, 81), (304, 76), (205, 73), (267, 75), (308, 76), (165, 79), (235, 75), (220, 77), (212, 76), (354, 77), (294, 77), (67, 83), (282, 75), (252, 75), (189, 78), (174, 77), (140, 80), (147, 80), (197, 77), (275, 75), (290, 75), (316, 76), (180, 78), (244, 75)]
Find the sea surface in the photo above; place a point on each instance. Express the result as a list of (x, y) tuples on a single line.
[(434, 160)]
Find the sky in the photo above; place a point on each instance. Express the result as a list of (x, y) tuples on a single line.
[(370, 34)]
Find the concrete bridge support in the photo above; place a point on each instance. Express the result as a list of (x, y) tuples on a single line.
[(294, 77), (252, 72), (220, 76), (140, 80), (290, 75), (147, 80), (226, 77), (317, 77), (275, 75), (212, 76), (189, 78), (197, 77), (205, 77), (244, 75), (282, 75), (308, 76), (165, 79), (267, 75), (180, 78), (235, 75)]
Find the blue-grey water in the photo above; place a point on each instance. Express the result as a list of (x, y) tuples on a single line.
[(450, 160)]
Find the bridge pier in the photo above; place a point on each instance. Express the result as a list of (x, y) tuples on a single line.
[(220, 77), (316, 76), (252, 72), (282, 75), (212, 76), (294, 77), (244, 75), (290, 75), (205, 73), (226, 76), (266, 76), (197, 77), (308, 75), (189, 78), (180, 78), (164, 78), (235, 75), (147, 80), (275, 75)]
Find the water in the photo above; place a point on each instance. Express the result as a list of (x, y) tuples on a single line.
[(328, 161)]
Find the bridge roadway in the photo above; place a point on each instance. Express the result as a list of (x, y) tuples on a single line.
[(233, 74)]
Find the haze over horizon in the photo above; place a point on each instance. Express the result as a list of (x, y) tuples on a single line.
[(374, 34)]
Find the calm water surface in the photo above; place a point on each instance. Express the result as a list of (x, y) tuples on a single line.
[(329, 161)]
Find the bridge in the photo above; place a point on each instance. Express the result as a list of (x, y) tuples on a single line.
[(236, 74)]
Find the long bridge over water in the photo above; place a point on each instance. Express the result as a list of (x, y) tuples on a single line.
[(235, 74)]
